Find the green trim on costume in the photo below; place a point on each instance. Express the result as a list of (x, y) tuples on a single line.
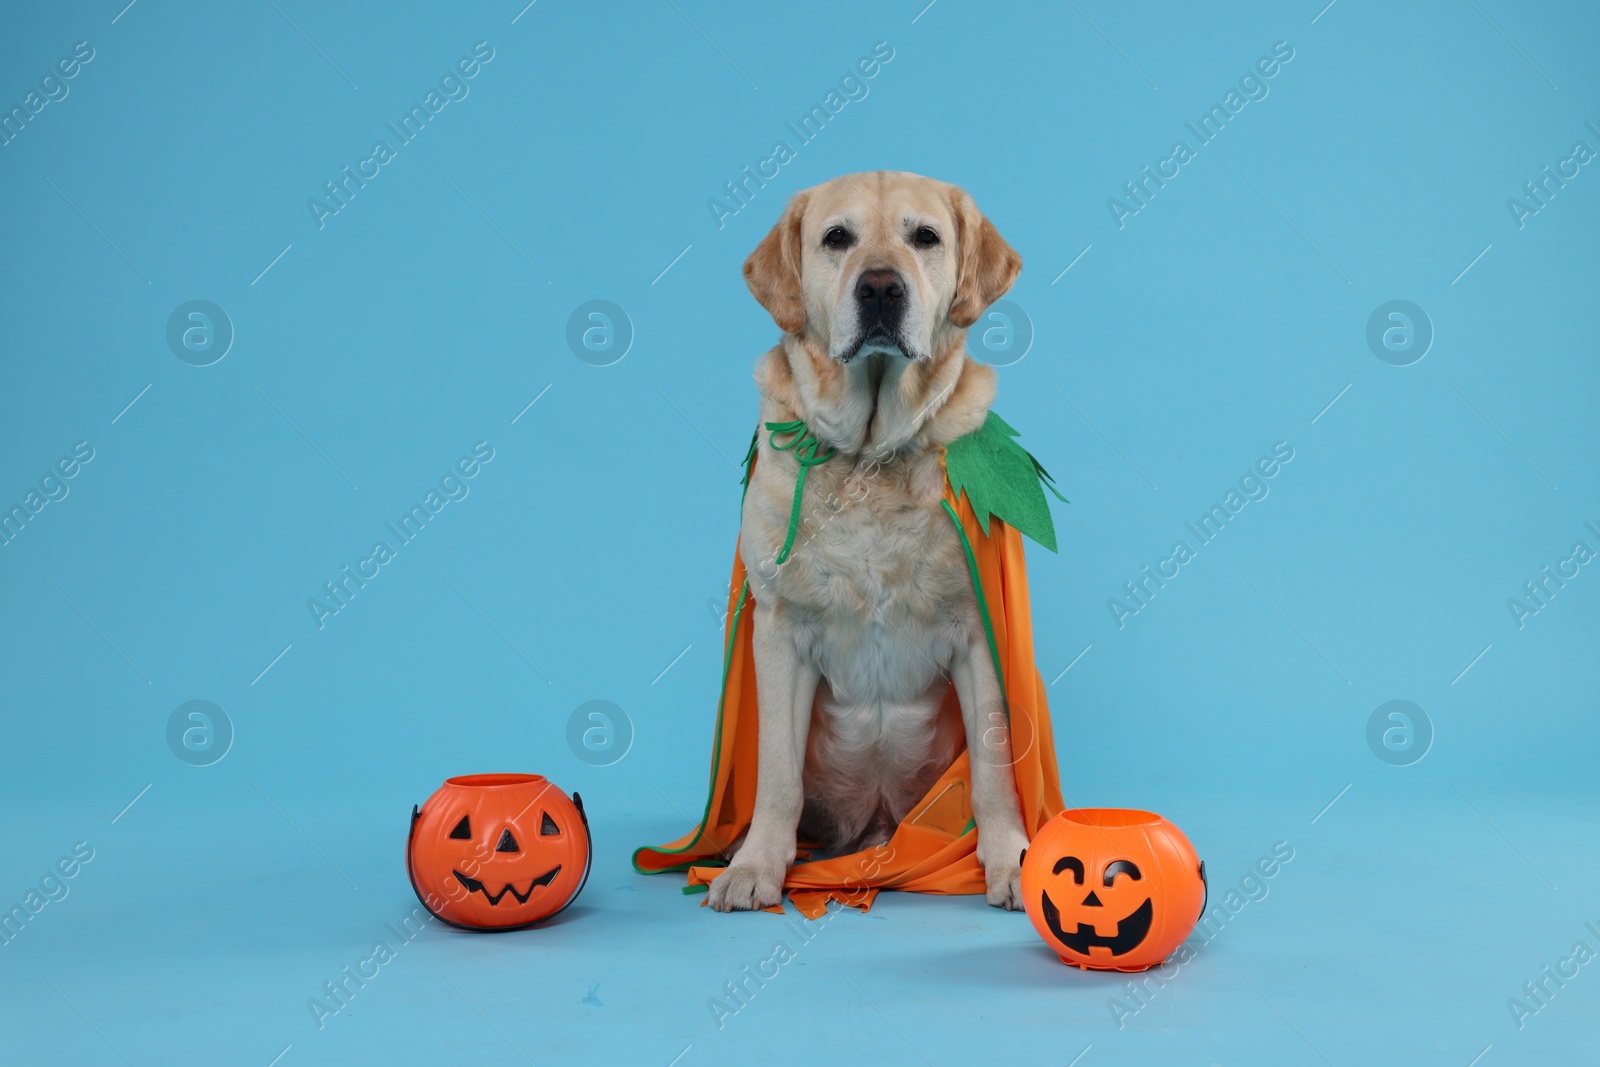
[(727, 664), (716, 751), (805, 445), (983, 605)]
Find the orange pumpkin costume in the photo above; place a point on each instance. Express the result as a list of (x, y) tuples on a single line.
[(934, 849)]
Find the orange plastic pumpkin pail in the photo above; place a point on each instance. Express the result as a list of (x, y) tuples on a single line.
[(498, 851), (1112, 889)]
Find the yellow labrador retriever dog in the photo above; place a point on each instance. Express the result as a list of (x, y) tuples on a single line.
[(874, 279)]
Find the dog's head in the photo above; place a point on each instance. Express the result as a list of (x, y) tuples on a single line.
[(881, 262)]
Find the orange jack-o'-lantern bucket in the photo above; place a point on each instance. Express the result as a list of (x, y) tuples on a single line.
[(1112, 889), (498, 851)]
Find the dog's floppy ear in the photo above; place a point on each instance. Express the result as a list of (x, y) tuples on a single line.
[(773, 270), (987, 266)]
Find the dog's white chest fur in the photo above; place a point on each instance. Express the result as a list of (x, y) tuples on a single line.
[(880, 601)]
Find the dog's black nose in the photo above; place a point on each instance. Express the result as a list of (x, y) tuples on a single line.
[(882, 295)]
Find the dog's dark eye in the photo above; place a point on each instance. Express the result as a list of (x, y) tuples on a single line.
[(837, 238), (926, 238)]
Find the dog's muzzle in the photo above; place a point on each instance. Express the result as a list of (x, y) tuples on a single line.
[(880, 297)]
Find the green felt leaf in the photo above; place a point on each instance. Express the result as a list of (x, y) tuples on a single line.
[(749, 458), (1001, 478)]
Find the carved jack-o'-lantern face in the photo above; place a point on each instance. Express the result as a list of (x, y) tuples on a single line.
[(1132, 928), (1112, 888), (498, 851)]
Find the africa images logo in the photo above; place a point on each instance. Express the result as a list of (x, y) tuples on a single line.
[(853, 87), (453, 87), (1252, 487), (453, 486), (1207, 128)]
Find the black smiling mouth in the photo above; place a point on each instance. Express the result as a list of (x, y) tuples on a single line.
[(1130, 931), (475, 886)]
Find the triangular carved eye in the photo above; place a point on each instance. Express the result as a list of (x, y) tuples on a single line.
[(463, 830), (507, 842), (547, 826)]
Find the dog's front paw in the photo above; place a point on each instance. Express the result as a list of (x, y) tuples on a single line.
[(1002, 871), (748, 886), (1004, 882)]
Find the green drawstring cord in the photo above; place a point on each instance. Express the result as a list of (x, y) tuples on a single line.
[(805, 445)]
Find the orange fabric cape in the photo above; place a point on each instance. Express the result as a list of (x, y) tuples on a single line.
[(934, 849)]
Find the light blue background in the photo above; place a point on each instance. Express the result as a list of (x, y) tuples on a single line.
[(428, 313)]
